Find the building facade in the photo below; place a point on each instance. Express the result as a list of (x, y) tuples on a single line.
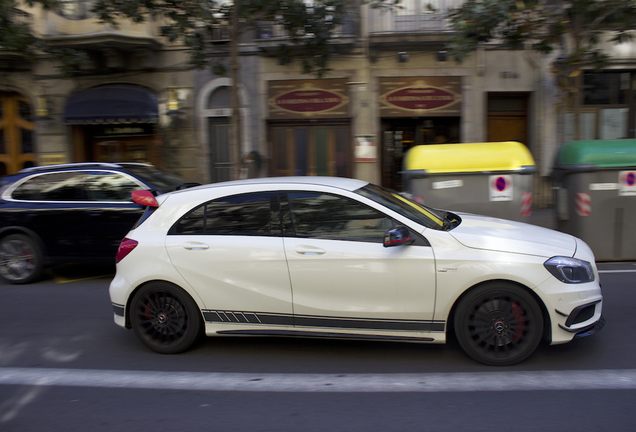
[(390, 87), (130, 99)]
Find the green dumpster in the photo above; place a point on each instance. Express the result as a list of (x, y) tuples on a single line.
[(596, 195), (492, 179)]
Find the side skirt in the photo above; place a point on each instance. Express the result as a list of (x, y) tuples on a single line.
[(323, 335)]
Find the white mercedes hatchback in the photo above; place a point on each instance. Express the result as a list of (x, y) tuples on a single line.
[(334, 257)]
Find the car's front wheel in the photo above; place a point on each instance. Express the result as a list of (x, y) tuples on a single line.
[(165, 318), (20, 259), (498, 324)]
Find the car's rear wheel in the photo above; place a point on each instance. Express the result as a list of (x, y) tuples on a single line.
[(498, 324), (165, 318), (20, 259)]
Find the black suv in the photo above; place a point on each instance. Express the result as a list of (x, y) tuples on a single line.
[(73, 212)]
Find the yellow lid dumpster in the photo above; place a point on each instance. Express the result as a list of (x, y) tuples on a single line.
[(510, 156), (490, 178)]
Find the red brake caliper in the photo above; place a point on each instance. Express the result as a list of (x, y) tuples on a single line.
[(518, 315)]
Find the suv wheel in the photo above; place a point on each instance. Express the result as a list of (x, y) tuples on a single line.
[(20, 259)]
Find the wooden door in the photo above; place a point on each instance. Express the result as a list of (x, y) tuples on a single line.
[(508, 128), (17, 133)]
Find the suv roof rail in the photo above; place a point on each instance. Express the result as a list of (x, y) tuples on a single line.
[(80, 165), (135, 164)]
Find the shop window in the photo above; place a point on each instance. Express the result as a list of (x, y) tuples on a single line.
[(311, 150), (24, 110), (613, 123), (27, 141), (607, 109), (609, 88), (300, 139)]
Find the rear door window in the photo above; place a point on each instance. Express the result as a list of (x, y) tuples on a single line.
[(247, 214), (62, 186)]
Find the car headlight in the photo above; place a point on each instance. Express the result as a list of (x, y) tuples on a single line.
[(570, 270)]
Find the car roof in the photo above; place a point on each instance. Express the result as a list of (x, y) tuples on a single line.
[(337, 182), (79, 165)]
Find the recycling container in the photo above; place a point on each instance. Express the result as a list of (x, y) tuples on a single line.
[(596, 195), (492, 179)]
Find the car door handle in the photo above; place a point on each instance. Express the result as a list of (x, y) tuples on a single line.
[(195, 246), (309, 250)]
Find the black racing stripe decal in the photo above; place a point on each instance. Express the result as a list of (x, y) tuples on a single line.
[(371, 324), (118, 309), (248, 317), (318, 321)]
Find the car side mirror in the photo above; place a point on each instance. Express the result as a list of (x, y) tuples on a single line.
[(398, 236)]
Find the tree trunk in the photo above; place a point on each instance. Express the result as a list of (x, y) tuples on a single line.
[(578, 103), (235, 145), (577, 97)]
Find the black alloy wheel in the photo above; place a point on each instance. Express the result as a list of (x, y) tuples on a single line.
[(20, 259), (498, 324), (165, 318)]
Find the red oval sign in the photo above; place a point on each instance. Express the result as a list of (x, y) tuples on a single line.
[(420, 98), (308, 100)]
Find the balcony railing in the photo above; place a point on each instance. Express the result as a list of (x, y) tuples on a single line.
[(268, 30), (20, 17), (413, 16), (76, 9)]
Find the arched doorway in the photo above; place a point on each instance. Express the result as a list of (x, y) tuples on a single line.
[(215, 115)]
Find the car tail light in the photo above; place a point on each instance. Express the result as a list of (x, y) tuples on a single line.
[(125, 247), (144, 197)]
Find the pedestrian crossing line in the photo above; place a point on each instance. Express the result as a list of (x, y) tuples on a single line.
[(622, 379)]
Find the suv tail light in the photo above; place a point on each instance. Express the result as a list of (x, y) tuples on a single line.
[(125, 247)]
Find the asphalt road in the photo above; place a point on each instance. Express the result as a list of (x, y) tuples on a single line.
[(65, 366)]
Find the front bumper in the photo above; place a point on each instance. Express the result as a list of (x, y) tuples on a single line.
[(590, 330)]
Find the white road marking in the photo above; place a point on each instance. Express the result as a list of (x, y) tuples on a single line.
[(617, 271), (624, 379)]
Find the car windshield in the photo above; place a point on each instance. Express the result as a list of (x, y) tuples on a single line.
[(159, 180), (404, 206)]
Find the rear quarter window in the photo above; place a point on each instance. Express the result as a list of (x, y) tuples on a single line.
[(64, 186)]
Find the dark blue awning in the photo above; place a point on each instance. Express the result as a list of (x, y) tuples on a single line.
[(112, 104)]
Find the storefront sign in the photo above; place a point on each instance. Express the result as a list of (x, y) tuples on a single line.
[(421, 96), (308, 98), (53, 159), (123, 130)]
